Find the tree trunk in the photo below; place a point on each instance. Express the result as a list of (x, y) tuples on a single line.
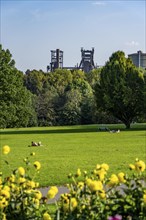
[(127, 125)]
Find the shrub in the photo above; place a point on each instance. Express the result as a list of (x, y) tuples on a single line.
[(99, 197), (20, 197)]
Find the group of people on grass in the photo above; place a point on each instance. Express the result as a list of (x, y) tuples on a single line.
[(107, 129), (35, 144)]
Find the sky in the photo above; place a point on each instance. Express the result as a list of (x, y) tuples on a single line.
[(30, 29)]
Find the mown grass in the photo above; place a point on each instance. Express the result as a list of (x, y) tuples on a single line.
[(67, 148)]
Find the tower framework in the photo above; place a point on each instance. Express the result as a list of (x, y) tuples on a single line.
[(56, 59), (87, 61)]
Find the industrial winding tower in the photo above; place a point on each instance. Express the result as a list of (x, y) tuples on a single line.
[(56, 60), (87, 62)]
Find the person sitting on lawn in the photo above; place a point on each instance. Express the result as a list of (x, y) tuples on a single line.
[(34, 144), (40, 143)]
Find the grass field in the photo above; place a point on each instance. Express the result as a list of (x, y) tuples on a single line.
[(67, 148)]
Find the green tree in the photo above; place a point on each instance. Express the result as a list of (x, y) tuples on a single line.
[(16, 104), (121, 89), (70, 113), (60, 79), (45, 107), (93, 77), (34, 81)]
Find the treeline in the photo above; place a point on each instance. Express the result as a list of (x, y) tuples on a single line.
[(114, 93)]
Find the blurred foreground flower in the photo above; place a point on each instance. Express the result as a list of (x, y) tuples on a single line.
[(20, 197), (21, 171), (6, 149), (37, 165), (99, 196), (52, 192), (116, 217), (46, 216)]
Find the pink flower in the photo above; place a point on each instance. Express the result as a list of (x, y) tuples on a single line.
[(116, 217)]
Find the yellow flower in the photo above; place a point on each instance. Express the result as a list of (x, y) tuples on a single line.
[(80, 185), (98, 166), (30, 184), (73, 203), (4, 216), (105, 166), (12, 185), (95, 185), (28, 191), (38, 194), (3, 203), (36, 184), (7, 188), (36, 202), (65, 202), (102, 194), (132, 167), (78, 173), (21, 180), (12, 178), (6, 149), (121, 177), (55, 189), (21, 171), (140, 166), (113, 180), (46, 216), (5, 193), (101, 174), (88, 181), (52, 192), (37, 165), (144, 198)]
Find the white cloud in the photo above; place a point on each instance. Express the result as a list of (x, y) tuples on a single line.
[(132, 43), (98, 3)]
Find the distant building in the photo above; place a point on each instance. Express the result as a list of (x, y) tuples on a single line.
[(86, 64), (87, 61), (56, 60), (139, 59)]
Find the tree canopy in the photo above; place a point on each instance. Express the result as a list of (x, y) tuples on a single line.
[(16, 106), (121, 88), (66, 97)]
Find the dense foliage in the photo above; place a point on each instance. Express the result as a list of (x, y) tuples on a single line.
[(99, 196), (114, 93), (61, 97), (121, 89), (16, 104)]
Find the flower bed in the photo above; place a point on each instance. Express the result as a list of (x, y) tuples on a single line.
[(95, 196)]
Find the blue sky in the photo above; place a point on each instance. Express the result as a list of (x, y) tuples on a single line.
[(31, 28)]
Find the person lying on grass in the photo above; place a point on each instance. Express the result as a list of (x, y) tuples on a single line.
[(35, 144)]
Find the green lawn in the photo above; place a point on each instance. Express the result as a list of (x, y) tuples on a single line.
[(67, 148)]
